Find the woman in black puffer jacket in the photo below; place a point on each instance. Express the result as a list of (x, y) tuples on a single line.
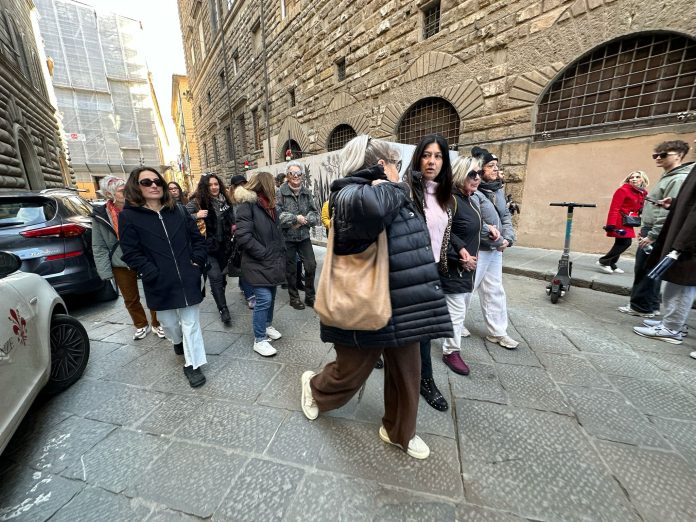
[(363, 203)]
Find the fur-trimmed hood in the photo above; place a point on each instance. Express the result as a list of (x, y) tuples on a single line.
[(242, 195)]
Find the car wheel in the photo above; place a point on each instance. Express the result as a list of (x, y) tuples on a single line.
[(69, 352)]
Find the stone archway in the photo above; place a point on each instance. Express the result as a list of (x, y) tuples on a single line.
[(28, 160)]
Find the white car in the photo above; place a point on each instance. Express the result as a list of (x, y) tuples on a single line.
[(41, 347)]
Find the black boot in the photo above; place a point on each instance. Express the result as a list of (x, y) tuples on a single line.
[(432, 395), (225, 316), (179, 348), (195, 377), (379, 364), (297, 304)]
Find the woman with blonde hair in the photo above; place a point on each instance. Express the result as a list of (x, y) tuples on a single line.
[(263, 253), (366, 200), (627, 201)]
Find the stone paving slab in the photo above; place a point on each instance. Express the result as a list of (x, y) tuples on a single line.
[(608, 415), (570, 369), (681, 434), (662, 399), (28, 495), (241, 380), (531, 388), (661, 485), (481, 384), (544, 339), (188, 478), (118, 460), (111, 362), (95, 504), (521, 356), (587, 340), (625, 366)]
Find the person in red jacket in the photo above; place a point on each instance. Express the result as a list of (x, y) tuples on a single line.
[(627, 201)]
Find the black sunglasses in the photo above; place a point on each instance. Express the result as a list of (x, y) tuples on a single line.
[(148, 182), (473, 174), (662, 155)]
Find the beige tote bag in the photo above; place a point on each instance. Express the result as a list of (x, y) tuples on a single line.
[(353, 291)]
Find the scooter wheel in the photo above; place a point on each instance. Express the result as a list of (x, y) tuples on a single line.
[(554, 297)]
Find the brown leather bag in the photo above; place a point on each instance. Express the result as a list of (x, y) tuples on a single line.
[(353, 292), (201, 226)]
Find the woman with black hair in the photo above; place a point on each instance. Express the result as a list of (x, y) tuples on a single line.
[(211, 203), (430, 178), (176, 192), (160, 240)]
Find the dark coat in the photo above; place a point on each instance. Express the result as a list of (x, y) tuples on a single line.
[(219, 245), (262, 244), (627, 200), (163, 247), (466, 233), (289, 206), (361, 211), (679, 233)]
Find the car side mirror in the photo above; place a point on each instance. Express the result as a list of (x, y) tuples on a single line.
[(9, 264)]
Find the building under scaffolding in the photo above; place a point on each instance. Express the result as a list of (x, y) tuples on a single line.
[(103, 90)]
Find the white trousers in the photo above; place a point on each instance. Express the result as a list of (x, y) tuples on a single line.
[(677, 301), (457, 305), (489, 283), (183, 324)]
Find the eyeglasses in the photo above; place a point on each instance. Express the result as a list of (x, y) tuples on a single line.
[(473, 174), (148, 182), (295, 174), (662, 155)]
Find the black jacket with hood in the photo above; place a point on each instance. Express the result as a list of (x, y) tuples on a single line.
[(360, 212)]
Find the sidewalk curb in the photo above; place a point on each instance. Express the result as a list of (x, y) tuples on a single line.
[(580, 283)]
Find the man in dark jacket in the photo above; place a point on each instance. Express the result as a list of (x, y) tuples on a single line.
[(297, 213), (679, 290)]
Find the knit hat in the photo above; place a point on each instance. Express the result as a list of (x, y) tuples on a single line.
[(237, 180), (483, 155)]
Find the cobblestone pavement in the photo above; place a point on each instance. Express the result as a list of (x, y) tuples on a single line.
[(585, 421)]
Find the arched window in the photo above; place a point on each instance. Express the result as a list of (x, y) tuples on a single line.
[(640, 81), (341, 135), (294, 147), (429, 116)]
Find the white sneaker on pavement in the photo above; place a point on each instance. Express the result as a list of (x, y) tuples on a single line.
[(692, 355), (504, 341), (264, 348), (309, 407), (417, 448), (273, 334), (684, 331), (465, 332), (660, 333), (604, 268), (159, 331), (617, 270), (140, 333), (630, 311)]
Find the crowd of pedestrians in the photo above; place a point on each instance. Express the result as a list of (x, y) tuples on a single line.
[(447, 226)]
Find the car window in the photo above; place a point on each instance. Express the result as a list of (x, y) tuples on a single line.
[(25, 212), (77, 206)]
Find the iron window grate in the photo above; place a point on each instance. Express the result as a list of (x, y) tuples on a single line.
[(341, 69), (636, 82), (431, 20), (430, 116), (341, 135)]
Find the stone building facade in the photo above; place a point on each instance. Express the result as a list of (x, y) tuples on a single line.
[(182, 114), (571, 94), (31, 151)]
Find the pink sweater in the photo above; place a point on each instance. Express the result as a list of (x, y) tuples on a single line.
[(435, 217)]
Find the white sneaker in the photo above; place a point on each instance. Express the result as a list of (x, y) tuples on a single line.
[(617, 270), (309, 407), (604, 268), (159, 331), (660, 333), (684, 331), (630, 311), (273, 334), (692, 355), (504, 341), (465, 332), (264, 348), (417, 448), (140, 333)]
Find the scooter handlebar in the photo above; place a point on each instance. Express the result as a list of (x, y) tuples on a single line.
[(565, 204)]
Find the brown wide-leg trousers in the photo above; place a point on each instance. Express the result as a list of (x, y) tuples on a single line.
[(336, 384), (127, 282)]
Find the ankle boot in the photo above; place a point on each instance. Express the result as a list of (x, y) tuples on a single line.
[(225, 316), (432, 395)]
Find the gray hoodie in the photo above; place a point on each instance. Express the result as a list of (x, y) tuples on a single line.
[(494, 211), (653, 217)]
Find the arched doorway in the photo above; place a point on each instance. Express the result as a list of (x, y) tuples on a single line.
[(429, 116), (29, 161), (294, 148)]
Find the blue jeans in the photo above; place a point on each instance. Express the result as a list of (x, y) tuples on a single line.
[(263, 311), (246, 289)]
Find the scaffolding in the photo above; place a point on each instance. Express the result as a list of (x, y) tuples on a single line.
[(102, 88)]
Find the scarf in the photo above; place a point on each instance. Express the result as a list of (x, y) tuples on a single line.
[(113, 212), (266, 205), (491, 186)]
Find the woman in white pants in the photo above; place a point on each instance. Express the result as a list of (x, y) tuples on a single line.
[(489, 268), (160, 240)]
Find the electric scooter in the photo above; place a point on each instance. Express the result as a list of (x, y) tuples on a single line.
[(560, 284)]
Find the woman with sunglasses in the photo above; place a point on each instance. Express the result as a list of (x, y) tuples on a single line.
[(177, 194), (627, 201), (211, 203), (160, 240), (430, 179)]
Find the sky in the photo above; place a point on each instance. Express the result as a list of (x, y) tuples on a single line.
[(164, 50)]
